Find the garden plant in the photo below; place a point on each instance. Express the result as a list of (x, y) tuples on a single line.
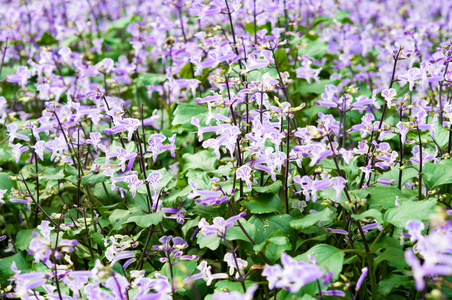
[(225, 149)]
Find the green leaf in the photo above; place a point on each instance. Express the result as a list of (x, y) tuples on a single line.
[(211, 241), (145, 220), (407, 174), (149, 79), (315, 87), (394, 256), (46, 40), (6, 70), (328, 257), (387, 285), (23, 239), (227, 285), (441, 134), (5, 266), (6, 183), (118, 217), (93, 178), (410, 210), (182, 269), (186, 71), (274, 246), (119, 23), (315, 49), (281, 60), (203, 160), (186, 111), (190, 223), (441, 175), (342, 16), (266, 224), (272, 188), (371, 213), (265, 203), (326, 215), (321, 19), (385, 196), (236, 233)]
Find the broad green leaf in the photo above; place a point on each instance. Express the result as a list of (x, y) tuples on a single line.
[(149, 79), (272, 188), (342, 16), (119, 23), (5, 266), (46, 40), (387, 285), (186, 71), (227, 285), (328, 257), (393, 174), (204, 160), (186, 111), (326, 215), (6, 70), (281, 60), (394, 256), (274, 246), (440, 174), (321, 19), (441, 134), (211, 241), (410, 210), (145, 220), (236, 233), (190, 223), (385, 196), (6, 183), (315, 49), (371, 213), (118, 217), (182, 269), (265, 203), (315, 87), (23, 239), (93, 178), (266, 224)]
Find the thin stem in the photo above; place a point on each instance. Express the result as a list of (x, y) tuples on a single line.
[(420, 164), (286, 179), (34, 201), (3, 56), (7, 230)]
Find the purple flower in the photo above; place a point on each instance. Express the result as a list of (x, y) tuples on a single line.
[(311, 187), (21, 77), (12, 129), (361, 278), (306, 72), (388, 95), (205, 274), (293, 275), (333, 293), (156, 145), (18, 149), (412, 76), (244, 172), (338, 231), (206, 197), (218, 226), (134, 183)]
